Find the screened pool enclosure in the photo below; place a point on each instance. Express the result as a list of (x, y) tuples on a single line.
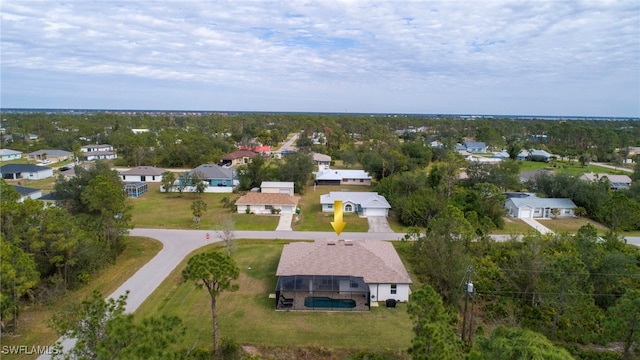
[(322, 293)]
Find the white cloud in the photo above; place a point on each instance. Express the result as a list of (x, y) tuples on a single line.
[(384, 56)]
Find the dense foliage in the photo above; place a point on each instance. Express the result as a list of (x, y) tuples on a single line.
[(47, 250), (572, 289)]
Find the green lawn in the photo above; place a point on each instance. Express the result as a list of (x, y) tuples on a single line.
[(172, 211), (248, 316), (33, 327), (312, 218), (571, 225)]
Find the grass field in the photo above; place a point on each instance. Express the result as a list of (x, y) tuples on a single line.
[(33, 327), (248, 316)]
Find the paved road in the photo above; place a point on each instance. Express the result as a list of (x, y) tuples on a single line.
[(288, 145), (612, 167)]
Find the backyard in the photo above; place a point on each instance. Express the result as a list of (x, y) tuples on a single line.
[(248, 315)]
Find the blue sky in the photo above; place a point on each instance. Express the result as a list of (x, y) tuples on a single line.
[(579, 58)]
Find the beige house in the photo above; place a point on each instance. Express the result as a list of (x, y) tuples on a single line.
[(344, 275), (267, 203), (239, 157)]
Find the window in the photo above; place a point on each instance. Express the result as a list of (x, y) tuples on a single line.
[(330, 206), (268, 207), (348, 208), (354, 284), (361, 180), (394, 289)]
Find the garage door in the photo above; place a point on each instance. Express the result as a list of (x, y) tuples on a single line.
[(375, 212), (525, 213)]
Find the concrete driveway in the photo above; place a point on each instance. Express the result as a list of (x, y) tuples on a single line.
[(284, 224), (379, 224)]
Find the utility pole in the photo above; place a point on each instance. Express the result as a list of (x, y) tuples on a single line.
[(468, 290)]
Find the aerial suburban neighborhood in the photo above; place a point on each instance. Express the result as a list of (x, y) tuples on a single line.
[(331, 217)]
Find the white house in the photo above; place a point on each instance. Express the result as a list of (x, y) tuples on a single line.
[(8, 154), (539, 155), (535, 207), (96, 147), (98, 152), (343, 177), (277, 187), (25, 171), (142, 174), (363, 203), (267, 203), (345, 275)]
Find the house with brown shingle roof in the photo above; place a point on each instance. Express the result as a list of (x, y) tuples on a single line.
[(267, 203), (239, 157), (340, 275)]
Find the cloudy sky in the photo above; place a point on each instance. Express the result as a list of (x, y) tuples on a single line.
[(454, 57)]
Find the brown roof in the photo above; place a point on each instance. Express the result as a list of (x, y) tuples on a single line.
[(267, 199), (376, 261), (240, 154)]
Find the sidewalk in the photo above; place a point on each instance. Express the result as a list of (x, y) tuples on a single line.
[(536, 225)]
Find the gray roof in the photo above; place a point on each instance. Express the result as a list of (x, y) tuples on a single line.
[(52, 152), (213, 171), (143, 171), (375, 261), (332, 174), (320, 157), (20, 168), (365, 199), (9, 152), (25, 190), (536, 202), (475, 144)]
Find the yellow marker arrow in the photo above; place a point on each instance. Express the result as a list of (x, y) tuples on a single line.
[(337, 222)]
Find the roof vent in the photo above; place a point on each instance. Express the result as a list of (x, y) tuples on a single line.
[(331, 243), (348, 243)]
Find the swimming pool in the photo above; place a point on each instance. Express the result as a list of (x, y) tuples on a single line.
[(327, 302)]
